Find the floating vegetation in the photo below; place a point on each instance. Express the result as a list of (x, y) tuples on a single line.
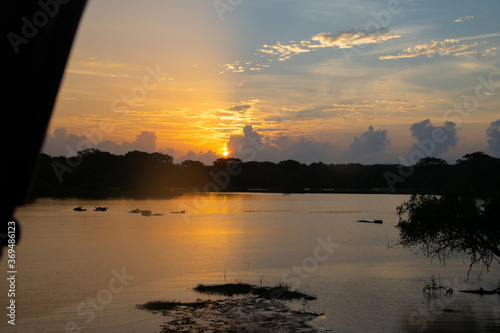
[(282, 291), (247, 314), (159, 305), (447, 310)]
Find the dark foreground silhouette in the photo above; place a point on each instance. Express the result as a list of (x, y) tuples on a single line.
[(465, 223)]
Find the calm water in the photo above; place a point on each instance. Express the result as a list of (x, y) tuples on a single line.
[(85, 271)]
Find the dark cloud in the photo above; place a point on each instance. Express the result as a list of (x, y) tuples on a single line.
[(240, 108), (146, 141), (206, 158), (433, 140), (493, 133), (68, 144), (62, 144), (310, 151), (252, 146), (248, 147), (370, 142), (320, 112)]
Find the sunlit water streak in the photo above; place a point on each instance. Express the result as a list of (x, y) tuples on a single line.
[(67, 258)]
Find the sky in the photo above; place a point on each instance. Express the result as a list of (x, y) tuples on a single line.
[(333, 81)]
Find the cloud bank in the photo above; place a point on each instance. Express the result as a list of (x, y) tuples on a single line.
[(493, 133), (206, 158), (61, 143), (424, 133), (369, 147), (369, 143)]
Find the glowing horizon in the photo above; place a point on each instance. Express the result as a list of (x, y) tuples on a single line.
[(196, 82)]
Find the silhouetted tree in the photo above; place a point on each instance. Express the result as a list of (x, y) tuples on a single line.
[(478, 173), (189, 174), (431, 161), (224, 161), (452, 224), (432, 175), (192, 164)]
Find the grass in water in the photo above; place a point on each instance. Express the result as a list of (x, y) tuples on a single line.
[(281, 291), (168, 305)]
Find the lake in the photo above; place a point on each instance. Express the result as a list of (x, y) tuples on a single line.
[(86, 271)]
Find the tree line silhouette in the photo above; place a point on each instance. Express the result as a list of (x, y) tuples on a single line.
[(94, 173)]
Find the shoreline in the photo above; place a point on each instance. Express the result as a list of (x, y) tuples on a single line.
[(176, 193)]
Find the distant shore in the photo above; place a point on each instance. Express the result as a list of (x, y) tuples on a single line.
[(143, 175), (177, 192), (327, 191)]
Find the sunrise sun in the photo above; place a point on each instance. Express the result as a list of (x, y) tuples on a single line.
[(225, 152)]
